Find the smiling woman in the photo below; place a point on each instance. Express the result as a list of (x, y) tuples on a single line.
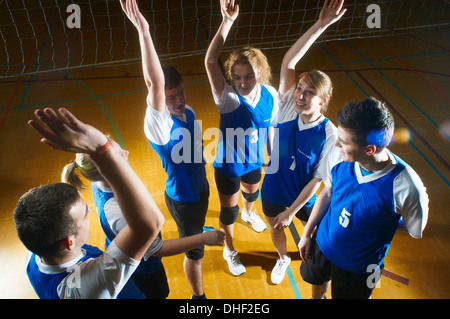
[(304, 136), (250, 104), (245, 68), (312, 95)]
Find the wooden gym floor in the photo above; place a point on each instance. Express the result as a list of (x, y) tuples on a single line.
[(410, 73)]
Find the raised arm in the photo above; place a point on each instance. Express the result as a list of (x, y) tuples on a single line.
[(151, 66), (63, 131), (331, 12), (230, 11)]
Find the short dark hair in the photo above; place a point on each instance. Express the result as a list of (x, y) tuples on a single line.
[(172, 77), (369, 120), (42, 217)]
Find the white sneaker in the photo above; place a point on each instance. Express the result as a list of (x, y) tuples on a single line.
[(256, 221), (279, 270), (234, 263)]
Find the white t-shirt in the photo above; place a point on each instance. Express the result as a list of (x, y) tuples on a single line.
[(158, 125), (99, 278)]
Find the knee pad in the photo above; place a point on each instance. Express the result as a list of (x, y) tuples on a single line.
[(228, 215), (251, 197)]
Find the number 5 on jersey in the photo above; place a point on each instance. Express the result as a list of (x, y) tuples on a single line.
[(344, 219)]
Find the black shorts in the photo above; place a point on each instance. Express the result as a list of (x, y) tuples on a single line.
[(154, 286), (273, 210), (190, 219), (229, 185), (344, 284)]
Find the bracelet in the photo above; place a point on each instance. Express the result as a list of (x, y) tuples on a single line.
[(229, 18), (101, 150)]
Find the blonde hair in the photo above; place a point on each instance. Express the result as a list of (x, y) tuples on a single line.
[(87, 169), (253, 57), (321, 83)]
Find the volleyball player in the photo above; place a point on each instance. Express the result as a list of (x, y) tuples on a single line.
[(149, 279), (303, 136), (247, 108), (367, 190), (52, 221), (168, 121)]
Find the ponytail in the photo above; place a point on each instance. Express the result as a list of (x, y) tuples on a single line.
[(69, 176), (87, 169)]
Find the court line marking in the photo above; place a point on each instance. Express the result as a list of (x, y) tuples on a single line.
[(104, 109), (395, 277), (127, 76), (429, 42), (402, 56), (397, 88), (184, 75), (396, 57)]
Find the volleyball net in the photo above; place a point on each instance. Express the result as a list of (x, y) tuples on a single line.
[(38, 36)]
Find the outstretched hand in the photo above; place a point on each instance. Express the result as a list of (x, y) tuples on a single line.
[(214, 238), (63, 131), (230, 9), (133, 13), (332, 11)]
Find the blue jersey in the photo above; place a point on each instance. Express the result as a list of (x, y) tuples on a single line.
[(152, 264), (148, 266), (244, 133), (46, 284), (362, 218), (182, 160), (100, 199), (297, 151)]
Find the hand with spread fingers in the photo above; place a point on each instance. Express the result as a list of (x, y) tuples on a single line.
[(63, 131)]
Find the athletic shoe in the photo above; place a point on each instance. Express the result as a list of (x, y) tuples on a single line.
[(234, 263), (256, 221), (279, 270)]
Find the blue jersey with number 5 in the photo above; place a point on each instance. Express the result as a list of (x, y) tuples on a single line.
[(361, 220)]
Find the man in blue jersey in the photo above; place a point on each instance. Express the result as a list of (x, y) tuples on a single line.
[(173, 132), (52, 220), (367, 191)]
